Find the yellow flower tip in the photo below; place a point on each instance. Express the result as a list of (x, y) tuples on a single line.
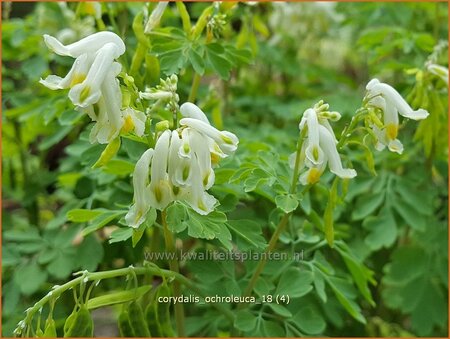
[(313, 176), (391, 131), (186, 171), (205, 179), (227, 140), (175, 190), (215, 158), (77, 79), (186, 148), (128, 124), (315, 153), (201, 205), (89, 8), (158, 193), (85, 92)]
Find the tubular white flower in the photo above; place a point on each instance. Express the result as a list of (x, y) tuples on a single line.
[(328, 144), (394, 99), (138, 211), (76, 75), (200, 201), (90, 44), (440, 71), (185, 146), (159, 95), (313, 151), (190, 110), (391, 103), (155, 17), (160, 187), (199, 144), (133, 120), (227, 141), (88, 92), (110, 120)]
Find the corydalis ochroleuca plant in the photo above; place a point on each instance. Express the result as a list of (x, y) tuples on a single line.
[(386, 101), (319, 146), (180, 167), (93, 86)]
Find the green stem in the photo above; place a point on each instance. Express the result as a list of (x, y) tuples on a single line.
[(96, 276), (280, 227), (350, 128), (138, 59), (173, 264), (194, 87)]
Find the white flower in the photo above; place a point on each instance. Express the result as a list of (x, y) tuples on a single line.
[(136, 214), (110, 120), (155, 17), (88, 92), (440, 71), (133, 121), (180, 166), (160, 186), (200, 201), (319, 147), (76, 75), (391, 103), (88, 45), (92, 81), (394, 100), (227, 141)]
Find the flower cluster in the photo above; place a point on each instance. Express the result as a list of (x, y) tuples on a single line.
[(388, 102), (180, 167), (319, 147), (94, 88)]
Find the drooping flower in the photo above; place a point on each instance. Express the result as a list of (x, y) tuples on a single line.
[(439, 71), (138, 211), (319, 147), (388, 101), (155, 17), (181, 167), (93, 84)]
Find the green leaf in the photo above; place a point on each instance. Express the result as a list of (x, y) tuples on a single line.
[(245, 321), (309, 320), (218, 61), (295, 283), (139, 232), (367, 205), (176, 216), (211, 226), (340, 288), (84, 215), (280, 310), (383, 230), (411, 215), (362, 275), (54, 138), (62, 265), (118, 297), (287, 202), (248, 233), (102, 220), (272, 329), (197, 61), (121, 234), (89, 253), (30, 277), (119, 167)]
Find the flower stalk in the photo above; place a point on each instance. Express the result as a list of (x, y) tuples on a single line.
[(174, 267)]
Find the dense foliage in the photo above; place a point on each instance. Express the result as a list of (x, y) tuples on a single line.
[(374, 251)]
